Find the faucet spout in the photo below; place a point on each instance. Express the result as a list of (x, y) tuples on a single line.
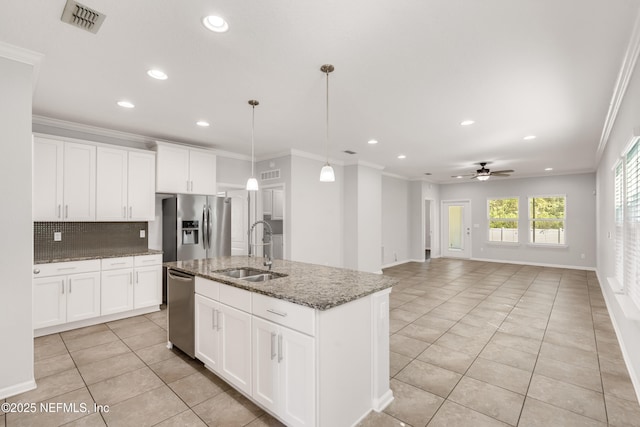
[(269, 230)]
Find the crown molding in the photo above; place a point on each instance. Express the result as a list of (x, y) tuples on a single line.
[(396, 176), (363, 163), (311, 156), (620, 88), (25, 56)]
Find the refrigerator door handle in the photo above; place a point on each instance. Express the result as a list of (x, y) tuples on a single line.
[(204, 227), (209, 228)]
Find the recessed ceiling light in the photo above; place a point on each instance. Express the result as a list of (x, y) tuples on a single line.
[(402, 156), (215, 24), (373, 141), (157, 74), (548, 169), (529, 137), (202, 123), (125, 104), (466, 122)]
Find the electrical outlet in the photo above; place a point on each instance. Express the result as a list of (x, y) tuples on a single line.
[(143, 233), (57, 236)]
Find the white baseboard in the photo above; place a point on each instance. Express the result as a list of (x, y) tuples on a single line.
[(635, 379), (17, 389), (383, 401), (535, 264)]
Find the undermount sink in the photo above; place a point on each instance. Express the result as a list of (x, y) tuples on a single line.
[(250, 274)]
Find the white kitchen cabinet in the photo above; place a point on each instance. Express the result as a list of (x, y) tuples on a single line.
[(60, 296), (185, 170), (223, 339), (130, 283), (273, 203), (117, 291), (147, 287), (125, 185), (64, 181)]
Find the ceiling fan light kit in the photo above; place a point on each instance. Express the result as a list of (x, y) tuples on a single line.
[(483, 174)]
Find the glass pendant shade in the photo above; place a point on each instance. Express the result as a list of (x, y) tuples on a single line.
[(252, 184), (327, 174)]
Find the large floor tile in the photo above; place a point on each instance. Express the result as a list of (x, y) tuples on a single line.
[(406, 346), (53, 365), (488, 399), (100, 352), (540, 414), (51, 386), (112, 367), (411, 404), (619, 385), (196, 388), (376, 419), (574, 374), (447, 358), (419, 332), (125, 386), (89, 340), (146, 409), (183, 419), (501, 375), (79, 404), (622, 412), (453, 415), (227, 409), (429, 377), (509, 356), (397, 362)]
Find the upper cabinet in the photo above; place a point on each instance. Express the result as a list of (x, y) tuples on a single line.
[(64, 181), (273, 203), (185, 170), (75, 181), (125, 185)]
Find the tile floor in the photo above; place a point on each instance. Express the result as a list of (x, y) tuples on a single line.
[(472, 344)]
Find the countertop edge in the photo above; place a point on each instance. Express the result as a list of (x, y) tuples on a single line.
[(92, 257)]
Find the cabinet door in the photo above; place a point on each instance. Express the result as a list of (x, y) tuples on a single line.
[(172, 169), (265, 364), (207, 346), (148, 285), (267, 202), (48, 157), (83, 296), (79, 182), (202, 171), (235, 347), (278, 204), (142, 186), (49, 301), (116, 291), (111, 184), (297, 378)]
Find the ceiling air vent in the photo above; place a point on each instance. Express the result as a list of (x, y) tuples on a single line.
[(81, 16), (349, 152), (268, 175)]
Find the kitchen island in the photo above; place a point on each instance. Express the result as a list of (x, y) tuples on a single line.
[(310, 346)]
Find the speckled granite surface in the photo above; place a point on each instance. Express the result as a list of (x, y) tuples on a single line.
[(312, 285), (114, 255)]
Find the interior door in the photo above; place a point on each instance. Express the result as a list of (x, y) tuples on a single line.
[(456, 229), (239, 221)]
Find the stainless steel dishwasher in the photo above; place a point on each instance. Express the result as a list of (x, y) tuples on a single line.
[(180, 306)]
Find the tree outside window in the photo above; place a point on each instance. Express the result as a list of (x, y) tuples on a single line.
[(503, 220), (547, 220)]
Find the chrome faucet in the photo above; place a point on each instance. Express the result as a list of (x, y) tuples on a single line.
[(267, 263)]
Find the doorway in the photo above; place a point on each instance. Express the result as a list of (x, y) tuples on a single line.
[(456, 229), (428, 229)]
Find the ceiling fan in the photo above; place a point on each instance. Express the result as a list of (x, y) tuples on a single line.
[(484, 174)]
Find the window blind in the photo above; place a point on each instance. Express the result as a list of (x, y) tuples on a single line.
[(632, 224), (619, 221)]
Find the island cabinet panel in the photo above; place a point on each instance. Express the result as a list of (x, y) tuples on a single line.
[(223, 341)]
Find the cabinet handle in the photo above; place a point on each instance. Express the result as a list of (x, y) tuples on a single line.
[(66, 268), (62, 286), (66, 211), (137, 277), (70, 281), (131, 278), (59, 211), (279, 313), (273, 345), (130, 212), (213, 320), (218, 318), (191, 185), (280, 357), (187, 185), (118, 263), (124, 212)]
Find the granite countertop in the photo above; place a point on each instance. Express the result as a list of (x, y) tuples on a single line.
[(89, 257), (312, 285)]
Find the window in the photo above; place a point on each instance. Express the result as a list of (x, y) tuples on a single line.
[(503, 220), (547, 220), (618, 182), (631, 232)]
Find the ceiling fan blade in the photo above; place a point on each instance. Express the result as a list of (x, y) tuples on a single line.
[(504, 171), (499, 174)]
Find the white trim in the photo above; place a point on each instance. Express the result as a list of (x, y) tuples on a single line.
[(620, 88), (506, 244), (311, 156), (363, 163), (17, 389), (395, 263), (26, 56), (635, 379), (547, 245), (393, 175), (383, 401), (536, 264)]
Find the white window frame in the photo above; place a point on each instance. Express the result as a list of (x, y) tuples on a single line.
[(516, 220), (618, 219), (631, 232), (530, 219)]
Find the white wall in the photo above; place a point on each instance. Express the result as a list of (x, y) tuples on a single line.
[(316, 214), (16, 249), (283, 163), (628, 118), (231, 171), (580, 218), (350, 217), (395, 220), (369, 218)]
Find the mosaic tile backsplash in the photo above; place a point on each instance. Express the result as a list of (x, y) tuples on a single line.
[(87, 239)]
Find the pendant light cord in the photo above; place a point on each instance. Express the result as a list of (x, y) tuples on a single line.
[(253, 124), (327, 135)]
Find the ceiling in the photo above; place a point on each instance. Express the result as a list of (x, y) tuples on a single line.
[(406, 73)]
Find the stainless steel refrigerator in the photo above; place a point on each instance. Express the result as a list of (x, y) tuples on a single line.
[(195, 227)]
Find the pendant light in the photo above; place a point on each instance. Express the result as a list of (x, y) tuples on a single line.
[(327, 174), (252, 183)]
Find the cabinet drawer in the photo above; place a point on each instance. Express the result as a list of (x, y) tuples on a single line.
[(64, 268), (207, 288), (117, 263), (235, 297), (142, 260), (285, 313)]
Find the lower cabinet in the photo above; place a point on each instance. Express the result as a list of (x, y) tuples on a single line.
[(117, 291), (223, 341), (131, 282), (284, 372)]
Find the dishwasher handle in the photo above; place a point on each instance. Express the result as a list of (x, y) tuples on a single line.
[(175, 274)]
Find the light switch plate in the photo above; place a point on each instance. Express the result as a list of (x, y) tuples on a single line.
[(57, 236), (142, 234)]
